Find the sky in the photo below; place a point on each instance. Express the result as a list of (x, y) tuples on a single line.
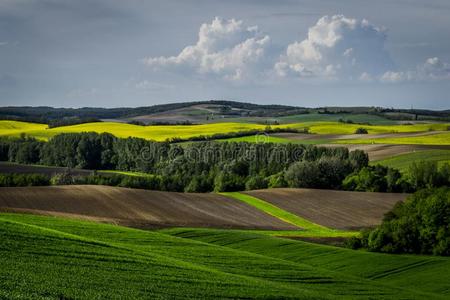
[(309, 53)]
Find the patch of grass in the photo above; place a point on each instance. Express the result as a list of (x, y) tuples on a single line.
[(313, 229), (46, 257), (433, 139), (275, 139), (403, 161), (128, 173)]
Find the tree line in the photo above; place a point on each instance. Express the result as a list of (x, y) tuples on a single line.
[(223, 166), (193, 167)]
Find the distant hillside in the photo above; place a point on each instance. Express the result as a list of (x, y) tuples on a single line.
[(203, 112)]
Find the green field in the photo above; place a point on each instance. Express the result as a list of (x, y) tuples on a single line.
[(343, 128), (164, 132), (54, 258), (434, 139), (403, 161)]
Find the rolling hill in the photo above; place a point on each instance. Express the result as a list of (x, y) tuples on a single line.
[(54, 258), (138, 208)]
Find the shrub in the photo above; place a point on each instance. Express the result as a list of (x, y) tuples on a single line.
[(12, 180), (361, 130), (277, 181), (256, 183)]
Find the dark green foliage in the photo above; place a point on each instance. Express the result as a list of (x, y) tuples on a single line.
[(277, 180), (12, 180), (361, 130), (426, 174), (376, 179), (67, 121), (196, 167), (327, 172), (23, 150), (256, 183), (420, 225)]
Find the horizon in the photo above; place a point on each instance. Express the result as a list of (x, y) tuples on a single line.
[(98, 53), (235, 101)]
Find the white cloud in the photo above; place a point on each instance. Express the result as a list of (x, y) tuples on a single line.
[(337, 47), (431, 70), (226, 48)]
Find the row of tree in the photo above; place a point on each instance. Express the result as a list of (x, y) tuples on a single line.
[(224, 166), (194, 167)]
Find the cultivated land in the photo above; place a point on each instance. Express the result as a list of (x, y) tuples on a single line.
[(421, 133), (138, 208), (404, 161), (238, 252), (332, 209), (47, 257)]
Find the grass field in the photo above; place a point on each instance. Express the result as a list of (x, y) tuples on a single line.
[(421, 273), (48, 258), (403, 161), (343, 128), (163, 132), (433, 139)]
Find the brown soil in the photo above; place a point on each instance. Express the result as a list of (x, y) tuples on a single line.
[(382, 151), (7, 167), (137, 208), (334, 209)]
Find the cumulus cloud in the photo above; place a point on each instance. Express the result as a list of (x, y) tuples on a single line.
[(337, 47), (431, 70), (226, 48)]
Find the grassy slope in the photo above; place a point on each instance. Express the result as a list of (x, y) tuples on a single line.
[(403, 161), (161, 133), (309, 228), (45, 257), (424, 273)]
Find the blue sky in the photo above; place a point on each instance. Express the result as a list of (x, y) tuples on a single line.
[(306, 53)]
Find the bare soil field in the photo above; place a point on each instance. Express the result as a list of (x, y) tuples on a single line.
[(7, 167), (375, 151), (137, 208), (334, 209), (382, 151)]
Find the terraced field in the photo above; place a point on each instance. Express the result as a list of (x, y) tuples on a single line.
[(138, 208), (57, 258)]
